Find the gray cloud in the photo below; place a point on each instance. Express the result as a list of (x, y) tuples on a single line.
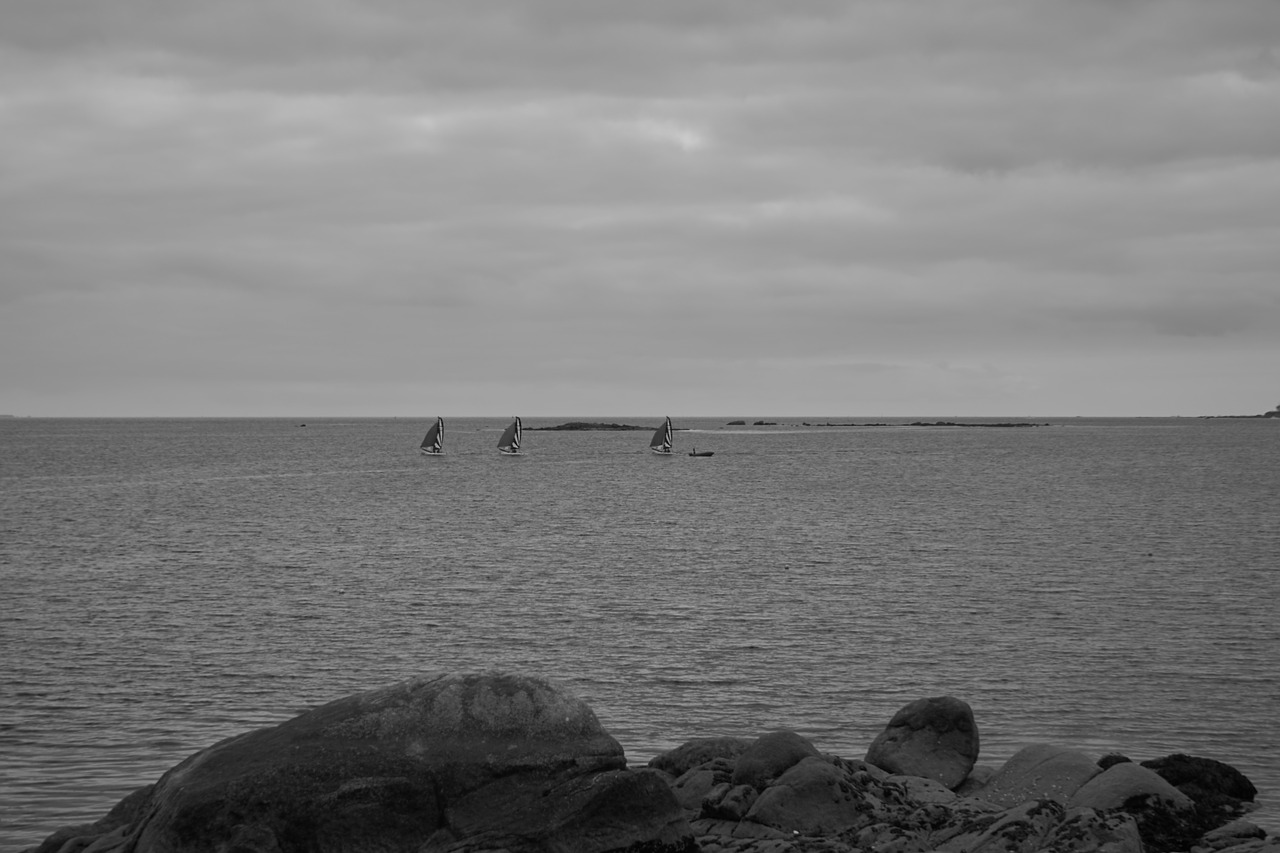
[(914, 201)]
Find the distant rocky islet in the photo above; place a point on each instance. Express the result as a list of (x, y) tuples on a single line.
[(589, 426), (586, 426), (503, 762), (1274, 413), (883, 424)]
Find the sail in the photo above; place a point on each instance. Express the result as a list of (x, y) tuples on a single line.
[(510, 441), (433, 442), (661, 442)]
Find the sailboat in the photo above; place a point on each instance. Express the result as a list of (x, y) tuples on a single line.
[(509, 444), (661, 441), (433, 442)]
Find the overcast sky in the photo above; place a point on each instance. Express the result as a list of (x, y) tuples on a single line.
[(685, 207)]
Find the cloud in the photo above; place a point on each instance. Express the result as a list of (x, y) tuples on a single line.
[(908, 196)]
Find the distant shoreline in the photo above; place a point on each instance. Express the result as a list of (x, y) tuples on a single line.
[(591, 426), (932, 424), (594, 425), (583, 426), (883, 424)]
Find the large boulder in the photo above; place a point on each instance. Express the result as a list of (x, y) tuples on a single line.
[(695, 784), (769, 756), (1120, 783), (813, 797), (936, 738), (691, 753), (1040, 772), (489, 761), (1204, 780)]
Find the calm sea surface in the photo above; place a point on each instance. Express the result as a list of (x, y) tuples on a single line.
[(1109, 585)]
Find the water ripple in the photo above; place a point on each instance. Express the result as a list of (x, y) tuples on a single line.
[(171, 583)]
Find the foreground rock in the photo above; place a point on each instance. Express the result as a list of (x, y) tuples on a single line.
[(450, 762), (826, 803), (1045, 798), (468, 763), (1204, 780), (919, 789), (936, 738), (1040, 771), (699, 751), (769, 757)]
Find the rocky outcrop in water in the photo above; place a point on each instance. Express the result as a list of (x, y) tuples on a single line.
[(1274, 413), (500, 762), (452, 762), (584, 426), (831, 804), (1045, 798)]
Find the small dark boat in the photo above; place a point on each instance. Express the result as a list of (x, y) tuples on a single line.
[(696, 452)]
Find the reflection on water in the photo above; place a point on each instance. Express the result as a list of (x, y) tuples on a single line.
[(1104, 585)]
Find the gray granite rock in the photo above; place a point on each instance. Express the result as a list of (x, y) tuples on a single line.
[(936, 738), (813, 797), (1020, 829), (698, 751), (1113, 787), (769, 756), (1234, 834), (1040, 771), (444, 762)]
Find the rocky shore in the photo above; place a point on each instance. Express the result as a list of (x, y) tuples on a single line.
[(502, 762)]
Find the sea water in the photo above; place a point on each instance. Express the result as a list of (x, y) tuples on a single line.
[(1108, 585)]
